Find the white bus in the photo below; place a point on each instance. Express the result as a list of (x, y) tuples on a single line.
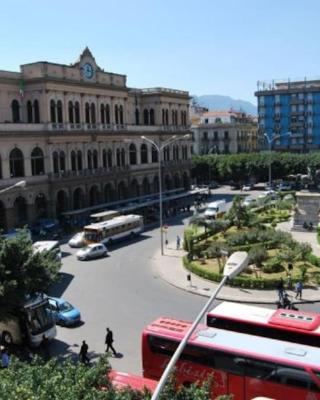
[(117, 228), (31, 323), (48, 245)]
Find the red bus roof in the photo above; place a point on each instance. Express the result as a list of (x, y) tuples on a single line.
[(283, 319), (241, 343), (122, 380)]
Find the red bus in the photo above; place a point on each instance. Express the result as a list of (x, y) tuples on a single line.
[(292, 326), (243, 365), (122, 380)]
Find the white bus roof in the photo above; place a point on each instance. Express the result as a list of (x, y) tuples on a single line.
[(42, 245), (305, 321), (116, 221), (247, 345), (216, 203)]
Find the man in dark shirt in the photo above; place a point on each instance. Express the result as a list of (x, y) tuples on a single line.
[(84, 353), (109, 341)]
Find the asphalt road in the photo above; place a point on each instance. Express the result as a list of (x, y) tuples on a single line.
[(123, 292)]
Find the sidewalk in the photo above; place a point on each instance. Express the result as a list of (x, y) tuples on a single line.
[(170, 268)]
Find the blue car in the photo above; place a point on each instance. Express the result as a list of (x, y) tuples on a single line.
[(63, 312)]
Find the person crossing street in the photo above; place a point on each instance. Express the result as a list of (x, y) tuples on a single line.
[(109, 341)]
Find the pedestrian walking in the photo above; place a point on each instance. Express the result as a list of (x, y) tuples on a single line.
[(178, 242), (45, 347), (299, 288), (109, 341), (280, 289), (84, 353), (5, 358)]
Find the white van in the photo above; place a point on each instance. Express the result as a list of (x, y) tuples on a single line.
[(216, 209), (48, 245)]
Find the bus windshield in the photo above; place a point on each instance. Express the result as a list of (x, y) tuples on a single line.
[(39, 318)]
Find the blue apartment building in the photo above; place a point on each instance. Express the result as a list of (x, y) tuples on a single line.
[(289, 106)]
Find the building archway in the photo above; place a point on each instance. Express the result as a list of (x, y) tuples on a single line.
[(167, 182), (20, 211), (3, 217), (134, 188), (122, 191), (78, 199), (146, 186), (108, 193), (61, 203), (40, 205), (177, 182), (186, 181), (156, 184), (94, 196)]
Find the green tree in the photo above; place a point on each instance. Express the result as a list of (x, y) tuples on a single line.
[(67, 380), (23, 272), (238, 214)]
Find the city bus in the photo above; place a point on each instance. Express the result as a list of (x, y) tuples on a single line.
[(117, 228), (103, 216), (52, 246), (245, 366), (290, 325), (30, 323), (122, 380)]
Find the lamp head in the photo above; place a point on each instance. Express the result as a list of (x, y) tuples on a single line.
[(235, 264), (20, 184), (143, 137)]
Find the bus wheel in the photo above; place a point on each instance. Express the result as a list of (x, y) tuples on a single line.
[(7, 338)]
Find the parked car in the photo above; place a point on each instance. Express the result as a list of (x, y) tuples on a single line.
[(247, 187), (77, 240), (63, 312), (93, 250), (285, 186)]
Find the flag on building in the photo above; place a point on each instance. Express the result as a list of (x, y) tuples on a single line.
[(21, 88)]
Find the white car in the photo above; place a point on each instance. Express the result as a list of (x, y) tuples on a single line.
[(93, 250), (77, 240), (247, 187)]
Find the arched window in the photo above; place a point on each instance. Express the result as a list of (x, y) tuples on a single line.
[(152, 121), (118, 158), (73, 161), (93, 113), (53, 111), (37, 161), (181, 118), (70, 112), (77, 112), (176, 117), (172, 117), (62, 161), (61, 202), (121, 190), (104, 158), (109, 157), (94, 196), (177, 153), (36, 112), (59, 111), (78, 199), (87, 112), (116, 113), (20, 211), (146, 186), (107, 114), (146, 117), (55, 158), (163, 117), (137, 116), (144, 154), (79, 159), (16, 163), (121, 114), (123, 157), (40, 205), (15, 107), (154, 154), (89, 159), (102, 114), (167, 117), (95, 159), (132, 154), (29, 112), (156, 184)]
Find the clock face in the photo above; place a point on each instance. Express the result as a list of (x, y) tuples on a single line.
[(88, 70)]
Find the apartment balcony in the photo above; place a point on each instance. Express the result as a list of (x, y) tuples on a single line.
[(87, 173), (297, 101)]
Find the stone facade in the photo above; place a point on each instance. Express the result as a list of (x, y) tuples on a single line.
[(73, 132), (307, 211)]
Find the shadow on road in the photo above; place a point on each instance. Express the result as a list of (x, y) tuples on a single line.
[(59, 287)]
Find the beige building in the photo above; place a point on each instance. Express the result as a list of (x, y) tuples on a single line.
[(73, 132), (224, 132)]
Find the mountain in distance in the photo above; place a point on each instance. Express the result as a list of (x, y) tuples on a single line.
[(218, 103)]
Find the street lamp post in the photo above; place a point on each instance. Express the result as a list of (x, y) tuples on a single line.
[(20, 184), (159, 149), (269, 141), (234, 265)]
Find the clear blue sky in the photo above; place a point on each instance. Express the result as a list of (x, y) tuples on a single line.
[(203, 46)]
